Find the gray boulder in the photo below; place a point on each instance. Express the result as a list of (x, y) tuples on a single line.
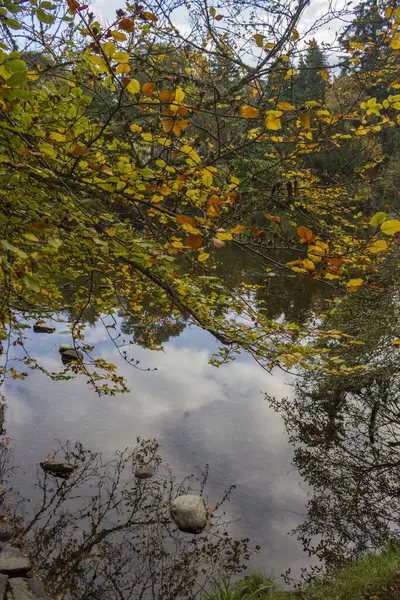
[(26, 589), (58, 469), (145, 472), (43, 328), (189, 513), (13, 563)]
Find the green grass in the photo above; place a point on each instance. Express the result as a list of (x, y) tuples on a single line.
[(350, 582)]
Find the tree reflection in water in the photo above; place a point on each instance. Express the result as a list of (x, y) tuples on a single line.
[(346, 435), (104, 534)]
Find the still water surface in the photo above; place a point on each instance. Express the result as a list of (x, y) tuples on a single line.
[(197, 413)]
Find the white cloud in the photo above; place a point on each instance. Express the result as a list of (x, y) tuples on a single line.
[(198, 413)]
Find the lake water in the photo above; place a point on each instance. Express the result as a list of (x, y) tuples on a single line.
[(198, 414)]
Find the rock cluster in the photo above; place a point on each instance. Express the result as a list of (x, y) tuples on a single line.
[(16, 581)]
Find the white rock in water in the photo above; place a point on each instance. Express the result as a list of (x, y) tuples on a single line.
[(189, 513)]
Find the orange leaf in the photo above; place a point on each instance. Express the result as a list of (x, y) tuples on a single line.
[(184, 220), (305, 120), (166, 96), (306, 236), (219, 17), (194, 241), (149, 16), (148, 88), (249, 112), (78, 150), (179, 126), (167, 125), (272, 218), (127, 25), (258, 233)]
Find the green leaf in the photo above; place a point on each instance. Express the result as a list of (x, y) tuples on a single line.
[(32, 283), (378, 219), (12, 23), (48, 5), (16, 66), (7, 246), (45, 17)]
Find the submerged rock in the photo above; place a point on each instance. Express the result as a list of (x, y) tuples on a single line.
[(3, 586), (145, 472), (13, 563), (58, 469), (26, 589), (68, 353), (43, 328), (189, 513)]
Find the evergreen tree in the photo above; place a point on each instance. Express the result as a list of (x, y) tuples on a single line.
[(309, 84), (368, 22)]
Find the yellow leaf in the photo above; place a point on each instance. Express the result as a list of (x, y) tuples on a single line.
[(121, 56), (378, 246), (212, 11), (203, 256), (290, 73), (57, 137), (308, 264), (30, 237), (395, 43), (286, 106), (396, 342), (99, 62), (109, 49), (272, 120), (148, 88), (249, 112), (259, 39), (133, 86), (354, 284), (390, 227), (236, 230), (123, 68), (4, 73), (224, 236), (324, 75), (378, 219), (295, 35), (119, 36), (135, 128), (193, 157), (179, 95), (48, 150)]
